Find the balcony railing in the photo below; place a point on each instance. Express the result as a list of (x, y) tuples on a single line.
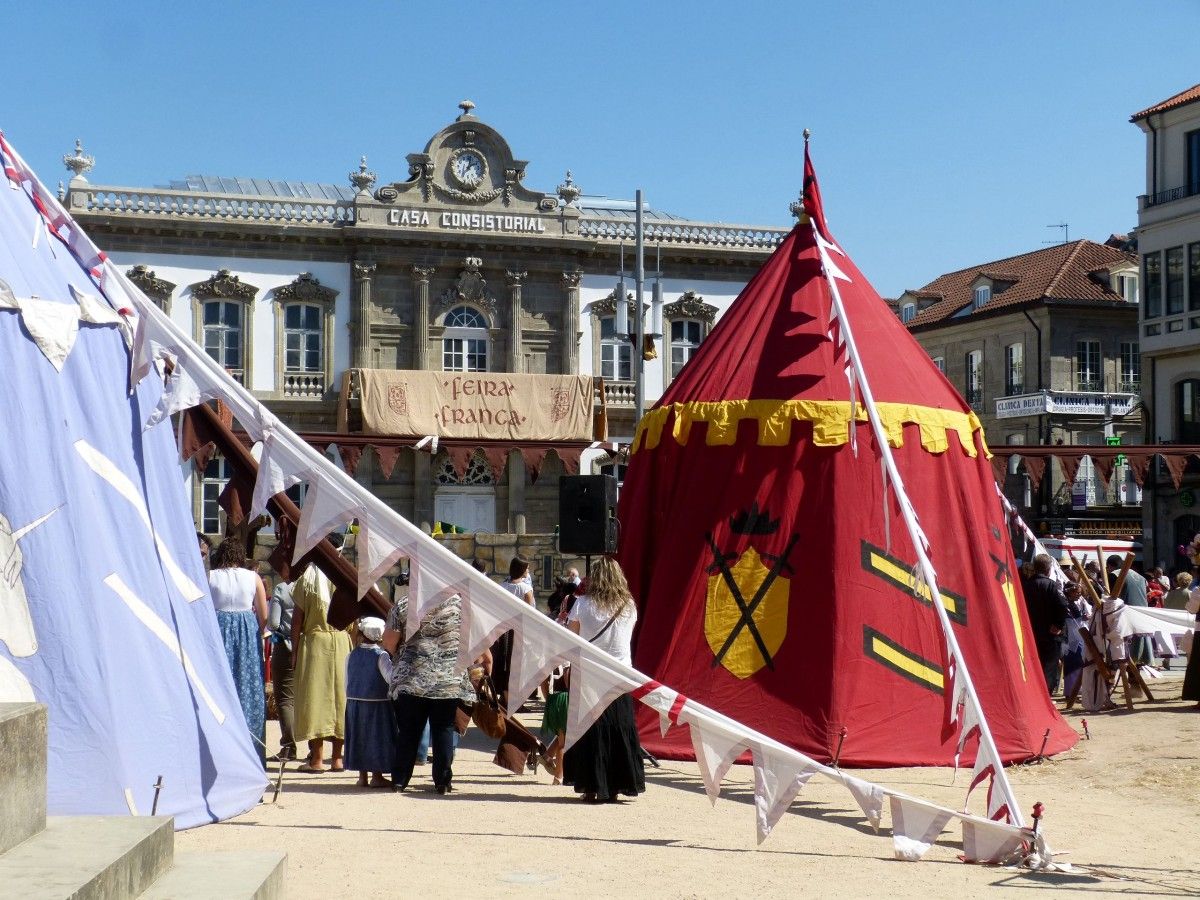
[(742, 237), (619, 393), (303, 385), (1169, 196)]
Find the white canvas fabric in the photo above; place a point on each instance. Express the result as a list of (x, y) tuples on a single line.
[(916, 826), (778, 778)]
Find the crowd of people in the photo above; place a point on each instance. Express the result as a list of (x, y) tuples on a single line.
[(1062, 615), (383, 699)]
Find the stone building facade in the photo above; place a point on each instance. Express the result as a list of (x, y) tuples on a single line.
[(1044, 346), (454, 265), (1169, 244)]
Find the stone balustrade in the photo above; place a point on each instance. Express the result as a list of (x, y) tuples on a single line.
[(710, 235), (224, 207), (303, 385), (619, 393)]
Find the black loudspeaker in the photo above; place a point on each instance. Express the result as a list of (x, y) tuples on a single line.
[(587, 522)]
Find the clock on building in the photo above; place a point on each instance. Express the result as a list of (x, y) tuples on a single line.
[(467, 167)]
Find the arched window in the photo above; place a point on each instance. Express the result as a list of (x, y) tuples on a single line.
[(465, 341), (616, 353), (223, 335), (685, 338)]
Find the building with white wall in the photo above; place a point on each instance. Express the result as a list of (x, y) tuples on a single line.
[(1169, 245), (457, 266)]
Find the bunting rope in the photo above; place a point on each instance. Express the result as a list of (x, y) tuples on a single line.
[(1002, 803), (541, 644)]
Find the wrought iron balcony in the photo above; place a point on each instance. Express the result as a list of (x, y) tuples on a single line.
[(1169, 196)]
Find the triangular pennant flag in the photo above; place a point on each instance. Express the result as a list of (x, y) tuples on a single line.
[(869, 797), (432, 580), (915, 826), (991, 842), (376, 554), (53, 327), (277, 472), (593, 687), (537, 648), (668, 703), (778, 778), (716, 750), (180, 392), (482, 623), (325, 506)]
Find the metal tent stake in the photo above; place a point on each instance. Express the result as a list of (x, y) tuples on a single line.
[(841, 740), (157, 791)]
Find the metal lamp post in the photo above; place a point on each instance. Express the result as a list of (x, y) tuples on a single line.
[(639, 320)]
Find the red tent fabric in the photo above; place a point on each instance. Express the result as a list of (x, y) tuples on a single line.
[(774, 581)]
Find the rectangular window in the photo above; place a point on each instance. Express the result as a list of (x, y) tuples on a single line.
[(302, 328), (982, 295), (685, 338), (1089, 376), (940, 362), (616, 353), (1014, 369), (1153, 280), (1131, 367), (223, 335), (216, 476), (1174, 281), (975, 377), (1193, 281), (908, 312), (1127, 287)]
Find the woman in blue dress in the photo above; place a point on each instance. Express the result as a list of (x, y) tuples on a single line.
[(241, 603), (370, 720)]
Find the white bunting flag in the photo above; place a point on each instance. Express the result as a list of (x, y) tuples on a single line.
[(868, 796), (992, 842), (482, 622), (778, 778), (432, 580), (915, 826), (277, 471), (180, 392), (716, 750), (376, 553), (663, 700), (326, 506), (593, 687), (536, 650)]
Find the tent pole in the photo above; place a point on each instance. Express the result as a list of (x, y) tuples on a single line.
[(919, 540)]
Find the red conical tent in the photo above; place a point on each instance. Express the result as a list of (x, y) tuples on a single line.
[(772, 567)]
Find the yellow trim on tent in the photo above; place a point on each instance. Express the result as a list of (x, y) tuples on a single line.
[(829, 418)]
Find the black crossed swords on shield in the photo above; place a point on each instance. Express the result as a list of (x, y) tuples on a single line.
[(746, 610)]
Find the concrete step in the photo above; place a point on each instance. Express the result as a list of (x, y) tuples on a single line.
[(226, 875), (22, 772), (84, 857)]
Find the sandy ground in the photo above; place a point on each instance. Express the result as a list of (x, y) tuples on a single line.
[(1126, 804)]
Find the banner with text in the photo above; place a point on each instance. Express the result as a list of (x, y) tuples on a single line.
[(483, 405)]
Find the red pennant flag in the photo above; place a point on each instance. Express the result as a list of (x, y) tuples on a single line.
[(812, 196)]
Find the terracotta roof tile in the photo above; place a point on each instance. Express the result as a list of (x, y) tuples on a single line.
[(1061, 272), (1191, 95)]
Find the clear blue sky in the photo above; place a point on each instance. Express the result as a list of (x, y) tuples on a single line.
[(944, 134)]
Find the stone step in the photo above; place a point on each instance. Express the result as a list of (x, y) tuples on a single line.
[(22, 772), (224, 875), (84, 857)]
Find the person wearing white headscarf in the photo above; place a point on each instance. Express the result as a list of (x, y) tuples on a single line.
[(370, 720)]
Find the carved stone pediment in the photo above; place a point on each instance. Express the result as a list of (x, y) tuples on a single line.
[(150, 284), (224, 286), (690, 306), (467, 163), (608, 305), (305, 289), (470, 287)]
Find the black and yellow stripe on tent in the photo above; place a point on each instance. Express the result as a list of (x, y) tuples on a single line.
[(898, 573), (901, 661)]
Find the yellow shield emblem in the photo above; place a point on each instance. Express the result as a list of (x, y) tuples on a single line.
[(751, 645)]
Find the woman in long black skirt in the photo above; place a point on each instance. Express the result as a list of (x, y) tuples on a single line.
[(606, 762)]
